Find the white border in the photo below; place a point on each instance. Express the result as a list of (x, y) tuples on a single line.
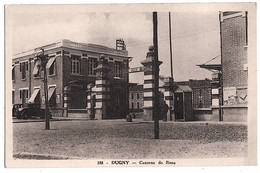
[(2, 120)]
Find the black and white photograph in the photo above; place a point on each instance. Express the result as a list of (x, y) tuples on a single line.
[(130, 85)]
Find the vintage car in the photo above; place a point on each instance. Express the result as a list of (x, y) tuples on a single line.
[(29, 110)]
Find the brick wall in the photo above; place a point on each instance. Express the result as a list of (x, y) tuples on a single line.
[(234, 53), (234, 59), (62, 76)]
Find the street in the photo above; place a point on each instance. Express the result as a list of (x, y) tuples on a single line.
[(114, 139)]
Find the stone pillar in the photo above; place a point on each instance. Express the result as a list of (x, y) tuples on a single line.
[(89, 95), (102, 88), (66, 101), (216, 97), (168, 96), (149, 85)]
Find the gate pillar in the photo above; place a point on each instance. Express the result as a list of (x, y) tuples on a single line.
[(149, 84), (102, 88)]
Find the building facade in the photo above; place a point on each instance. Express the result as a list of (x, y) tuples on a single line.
[(234, 42), (136, 95), (71, 68), (201, 92)]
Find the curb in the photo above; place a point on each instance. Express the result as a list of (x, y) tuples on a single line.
[(51, 120), (35, 156)]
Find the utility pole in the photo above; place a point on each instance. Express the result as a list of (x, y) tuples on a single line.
[(170, 34), (44, 59), (156, 78)]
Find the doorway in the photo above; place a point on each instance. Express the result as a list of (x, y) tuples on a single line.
[(178, 105)]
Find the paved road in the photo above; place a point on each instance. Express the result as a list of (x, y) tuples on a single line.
[(111, 139)]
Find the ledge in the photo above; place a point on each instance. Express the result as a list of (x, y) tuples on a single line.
[(202, 109), (235, 106)]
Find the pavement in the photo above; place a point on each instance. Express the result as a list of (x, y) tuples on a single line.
[(106, 139)]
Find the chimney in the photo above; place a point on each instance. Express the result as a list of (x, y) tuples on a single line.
[(120, 44)]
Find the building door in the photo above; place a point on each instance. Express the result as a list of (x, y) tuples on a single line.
[(178, 105), (78, 97)]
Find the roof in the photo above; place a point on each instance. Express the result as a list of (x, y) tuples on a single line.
[(74, 45), (213, 64), (231, 14), (182, 88)]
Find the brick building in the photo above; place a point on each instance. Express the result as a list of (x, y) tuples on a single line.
[(234, 41), (136, 97), (200, 90), (72, 67)]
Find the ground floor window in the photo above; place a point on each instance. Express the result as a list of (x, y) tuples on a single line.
[(24, 94), (52, 96)]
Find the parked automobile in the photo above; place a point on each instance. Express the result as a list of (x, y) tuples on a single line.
[(30, 110)]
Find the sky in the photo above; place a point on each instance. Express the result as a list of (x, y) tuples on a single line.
[(195, 35)]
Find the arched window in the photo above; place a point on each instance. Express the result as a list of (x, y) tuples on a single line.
[(137, 95), (138, 106), (132, 105), (132, 95)]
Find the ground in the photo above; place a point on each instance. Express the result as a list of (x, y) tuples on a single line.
[(113, 139)]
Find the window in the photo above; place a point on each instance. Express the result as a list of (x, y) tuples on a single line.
[(92, 64), (137, 95), (138, 105), (35, 97), (23, 68), (52, 96), (36, 69), (13, 96), (118, 69), (26, 65), (132, 105), (132, 95), (52, 68), (75, 64), (13, 73), (24, 93)]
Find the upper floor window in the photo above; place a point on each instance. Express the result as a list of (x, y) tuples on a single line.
[(13, 73), (23, 68), (36, 69), (92, 64), (75, 64), (137, 95), (51, 65), (132, 105), (118, 69), (52, 68), (132, 95)]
